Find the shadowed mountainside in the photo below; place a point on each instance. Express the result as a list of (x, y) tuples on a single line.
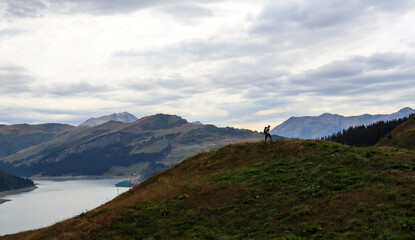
[(14, 138)]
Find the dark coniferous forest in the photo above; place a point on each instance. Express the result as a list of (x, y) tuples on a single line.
[(364, 136), (10, 182)]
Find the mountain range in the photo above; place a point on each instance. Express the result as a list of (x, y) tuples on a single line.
[(120, 147), (310, 127), (114, 148)]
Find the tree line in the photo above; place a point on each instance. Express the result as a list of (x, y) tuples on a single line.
[(365, 135), (9, 182)]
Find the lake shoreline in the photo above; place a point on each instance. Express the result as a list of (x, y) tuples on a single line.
[(77, 177), (3, 200), (14, 191), (54, 201)]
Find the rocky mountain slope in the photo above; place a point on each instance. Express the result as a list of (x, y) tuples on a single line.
[(326, 124), (288, 189), (143, 147), (121, 117)]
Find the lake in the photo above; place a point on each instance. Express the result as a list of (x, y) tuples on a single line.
[(54, 201)]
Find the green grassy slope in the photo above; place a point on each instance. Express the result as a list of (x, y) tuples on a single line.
[(402, 136), (287, 189)]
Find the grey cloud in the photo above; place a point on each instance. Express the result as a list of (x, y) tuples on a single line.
[(74, 89), (25, 8), (266, 82), (125, 6), (18, 114), (358, 75), (196, 51), (139, 84), (333, 71), (158, 99), (14, 79), (104, 7), (11, 32), (316, 14), (386, 60), (37, 8), (151, 98), (237, 75), (385, 5), (179, 86), (234, 75), (365, 80), (322, 24), (277, 18), (245, 110), (200, 48), (176, 83), (358, 65), (247, 80), (213, 50), (257, 81), (170, 82), (188, 13)]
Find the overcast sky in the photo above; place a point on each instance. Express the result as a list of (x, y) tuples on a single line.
[(231, 63)]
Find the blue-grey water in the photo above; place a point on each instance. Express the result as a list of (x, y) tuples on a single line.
[(54, 201)]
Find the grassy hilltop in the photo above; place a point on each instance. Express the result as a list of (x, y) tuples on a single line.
[(402, 136), (288, 189)]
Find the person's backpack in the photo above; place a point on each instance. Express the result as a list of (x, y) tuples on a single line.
[(265, 130)]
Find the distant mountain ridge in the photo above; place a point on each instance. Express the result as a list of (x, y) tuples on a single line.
[(310, 127), (124, 117), (115, 148)]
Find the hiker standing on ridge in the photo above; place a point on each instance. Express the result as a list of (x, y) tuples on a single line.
[(267, 133)]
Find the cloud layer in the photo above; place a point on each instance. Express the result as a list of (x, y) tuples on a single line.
[(228, 62)]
